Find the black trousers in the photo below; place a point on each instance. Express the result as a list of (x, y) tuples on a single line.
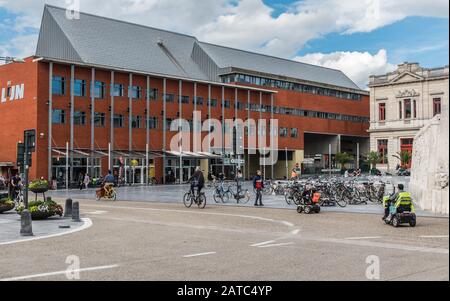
[(258, 197)]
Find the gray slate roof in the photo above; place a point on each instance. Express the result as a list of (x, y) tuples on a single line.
[(121, 45)]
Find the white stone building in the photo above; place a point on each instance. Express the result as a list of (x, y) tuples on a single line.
[(401, 103)]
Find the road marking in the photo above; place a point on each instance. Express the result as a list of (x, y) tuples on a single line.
[(263, 243), (199, 254), (362, 238), (277, 245), (61, 273), (195, 212), (434, 236), (367, 243), (295, 232), (87, 224), (96, 212)]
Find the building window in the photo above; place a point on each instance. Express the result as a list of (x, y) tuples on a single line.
[(283, 132), (168, 123), (226, 104), (79, 88), (383, 151), (153, 123), (294, 133), (169, 98), (79, 118), (58, 117), (59, 85), (153, 94), (184, 99), (198, 100), (436, 106), (213, 102), (408, 109), (99, 119), (99, 90), (117, 90), (135, 92), (136, 122), (400, 110), (382, 111), (118, 121)]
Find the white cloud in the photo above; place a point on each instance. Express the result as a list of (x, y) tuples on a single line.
[(356, 65), (246, 24)]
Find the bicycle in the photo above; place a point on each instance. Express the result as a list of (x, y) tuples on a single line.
[(110, 194), (190, 198), (220, 194), (18, 197), (241, 196)]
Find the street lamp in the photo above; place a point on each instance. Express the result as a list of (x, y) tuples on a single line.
[(8, 59)]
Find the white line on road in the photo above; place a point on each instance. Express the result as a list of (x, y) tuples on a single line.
[(61, 273), (277, 245), (434, 236), (87, 224), (96, 212), (295, 232), (263, 243), (362, 238), (199, 254)]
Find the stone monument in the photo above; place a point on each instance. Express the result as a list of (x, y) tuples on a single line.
[(430, 174)]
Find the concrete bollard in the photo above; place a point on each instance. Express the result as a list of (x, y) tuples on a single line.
[(26, 228), (68, 208), (76, 212)]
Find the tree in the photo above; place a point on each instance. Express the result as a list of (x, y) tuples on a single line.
[(343, 159), (373, 158), (404, 157)]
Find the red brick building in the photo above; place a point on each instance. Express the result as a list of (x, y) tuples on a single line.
[(103, 93)]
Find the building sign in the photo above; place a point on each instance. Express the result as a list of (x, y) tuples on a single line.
[(11, 93)]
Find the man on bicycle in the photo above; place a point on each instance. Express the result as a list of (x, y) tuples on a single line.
[(16, 184), (197, 181), (108, 182)]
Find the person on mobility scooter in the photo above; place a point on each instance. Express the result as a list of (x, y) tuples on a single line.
[(309, 202), (399, 208)]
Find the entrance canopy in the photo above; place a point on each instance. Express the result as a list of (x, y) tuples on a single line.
[(197, 155), (80, 154)]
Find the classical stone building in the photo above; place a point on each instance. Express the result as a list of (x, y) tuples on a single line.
[(401, 104)]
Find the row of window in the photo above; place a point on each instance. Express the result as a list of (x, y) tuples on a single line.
[(79, 118), (406, 144), (261, 81), (59, 117), (408, 109), (59, 87)]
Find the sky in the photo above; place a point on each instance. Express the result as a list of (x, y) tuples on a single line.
[(359, 37)]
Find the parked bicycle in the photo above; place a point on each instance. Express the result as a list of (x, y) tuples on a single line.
[(241, 196)]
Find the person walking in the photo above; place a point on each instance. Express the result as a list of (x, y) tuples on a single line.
[(239, 179), (81, 181), (258, 185), (87, 181)]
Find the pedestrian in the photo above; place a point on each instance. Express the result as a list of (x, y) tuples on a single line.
[(87, 180), (239, 179), (258, 185), (81, 180)]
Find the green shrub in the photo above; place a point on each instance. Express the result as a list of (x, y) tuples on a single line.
[(38, 184), (6, 201), (47, 206)]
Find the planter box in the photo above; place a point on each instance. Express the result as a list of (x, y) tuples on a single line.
[(5, 207), (39, 190), (38, 216)]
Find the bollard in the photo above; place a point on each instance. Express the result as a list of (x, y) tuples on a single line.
[(76, 212), (68, 208), (26, 228)]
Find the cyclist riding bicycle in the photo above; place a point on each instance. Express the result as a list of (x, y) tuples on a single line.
[(197, 181), (16, 184), (108, 182)]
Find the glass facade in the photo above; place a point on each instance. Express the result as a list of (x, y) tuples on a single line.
[(279, 84)]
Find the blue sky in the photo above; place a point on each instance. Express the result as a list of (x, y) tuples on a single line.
[(405, 30)]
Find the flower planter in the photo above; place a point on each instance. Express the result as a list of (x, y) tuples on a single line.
[(6, 207), (38, 216), (39, 189)]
